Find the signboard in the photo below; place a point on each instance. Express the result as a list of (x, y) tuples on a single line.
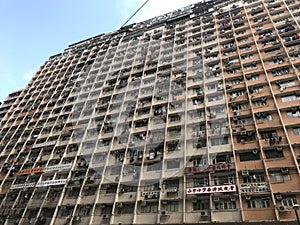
[(21, 186), (75, 127), (44, 144), (58, 167), (29, 171), (211, 189), (51, 183), (210, 168)]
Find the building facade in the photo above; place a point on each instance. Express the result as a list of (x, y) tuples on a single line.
[(191, 117)]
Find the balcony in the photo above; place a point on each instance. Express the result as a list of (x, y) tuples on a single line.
[(260, 187)]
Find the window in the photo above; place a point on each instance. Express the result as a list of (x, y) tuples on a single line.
[(247, 120), (111, 188), (150, 207), (290, 98), (219, 141), (266, 117), (172, 206), (291, 114), (254, 178), (116, 170), (197, 90), (279, 176), (233, 95), (67, 211), (85, 210), (225, 203), (280, 72), (173, 164), (200, 143), (221, 159), (273, 153), (268, 134), (151, 187), (286, 84), (200, 161), (172, 184), (256, 89), (247, 57), (125, 209), (215, 98), (201, 204), (289, 201), (221, 180), (154, 166), (296, 131), (253, 77), (242, 106), (212, 86), (236, 81), (200, 182), (248, 156), (257, 203)]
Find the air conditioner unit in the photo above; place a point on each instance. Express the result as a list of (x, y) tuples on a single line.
[(282, 208), (236, 113), (284, 170), (244, 132), (77, 218), (204, 213), (164, 213), (245, 173), (278, 197), (106, 216), (255, 151), (216, 198), (119, 204), (247, 197)]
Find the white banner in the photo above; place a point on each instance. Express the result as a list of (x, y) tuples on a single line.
[(44, 144), (58, 167), (211, 189), (51, 183), (21, 186)]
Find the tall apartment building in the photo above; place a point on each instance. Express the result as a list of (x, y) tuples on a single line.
[(191, 117)]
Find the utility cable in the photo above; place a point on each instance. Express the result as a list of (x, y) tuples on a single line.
[(135, 13)]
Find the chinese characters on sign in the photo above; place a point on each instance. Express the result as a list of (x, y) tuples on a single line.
[(29, 171), (58, 167), (21, 186), (51, 182), (210, 168), (211, 189)]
